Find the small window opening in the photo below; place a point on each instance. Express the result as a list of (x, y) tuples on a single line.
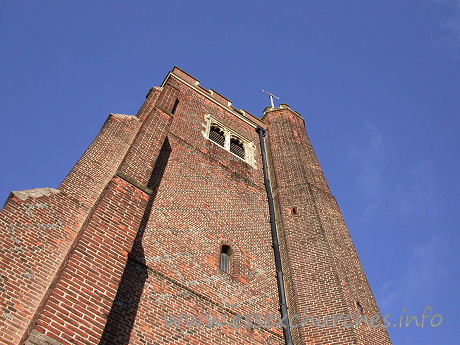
[(236, 146), (225, 259), (294, 210), (173, 110), (217, 135), (359, 309)]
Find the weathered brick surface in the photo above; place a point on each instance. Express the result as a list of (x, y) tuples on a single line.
[(324, 272), (168, 98), (77, 308), (141, 320), (351, 275), (37, 338), (196, 210), (140, 220), (189, 126), (37, 228), (150, 100), (141, 156), (98, 164)]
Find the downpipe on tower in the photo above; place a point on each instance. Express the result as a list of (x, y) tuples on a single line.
[(276, 248)]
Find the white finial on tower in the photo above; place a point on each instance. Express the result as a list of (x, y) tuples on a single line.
[(271, 97)]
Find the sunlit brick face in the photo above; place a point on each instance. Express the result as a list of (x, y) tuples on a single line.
[(167, 212)]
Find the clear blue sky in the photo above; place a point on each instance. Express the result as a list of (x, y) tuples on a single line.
[(376, 81)]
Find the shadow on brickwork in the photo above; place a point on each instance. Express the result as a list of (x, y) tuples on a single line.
[(120, 320)]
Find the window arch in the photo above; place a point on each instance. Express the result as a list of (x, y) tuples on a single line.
[(237, 147), (229, 140), (224, 260), (217, 135)]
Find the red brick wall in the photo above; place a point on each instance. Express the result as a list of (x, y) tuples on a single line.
[(141, 156), (37, 229), (45, 228), (161, 295), (150, 100), (323, 270), (96, 167), (203, 197), (77, 308), (141, 220)]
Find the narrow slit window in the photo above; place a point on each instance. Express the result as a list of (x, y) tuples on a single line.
[(173, 110), (217, 135), (224, 264), (236, 146), (359, 309)]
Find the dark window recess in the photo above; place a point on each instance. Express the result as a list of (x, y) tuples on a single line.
[(359, 309), (217, 135), (173, 110), (224, 263), (294, 211), (236, 146)]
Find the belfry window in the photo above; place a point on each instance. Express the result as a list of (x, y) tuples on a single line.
[(217, 135), (224, 262), (236, 146), (228, 139)]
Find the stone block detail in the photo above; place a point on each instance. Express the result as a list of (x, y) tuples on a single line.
[(37, 338)]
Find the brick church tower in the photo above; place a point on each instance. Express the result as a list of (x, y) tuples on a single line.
[(191, 208)]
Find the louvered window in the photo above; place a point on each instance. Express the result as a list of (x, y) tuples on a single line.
[(217, 135), (236, 146), (229, 140)]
